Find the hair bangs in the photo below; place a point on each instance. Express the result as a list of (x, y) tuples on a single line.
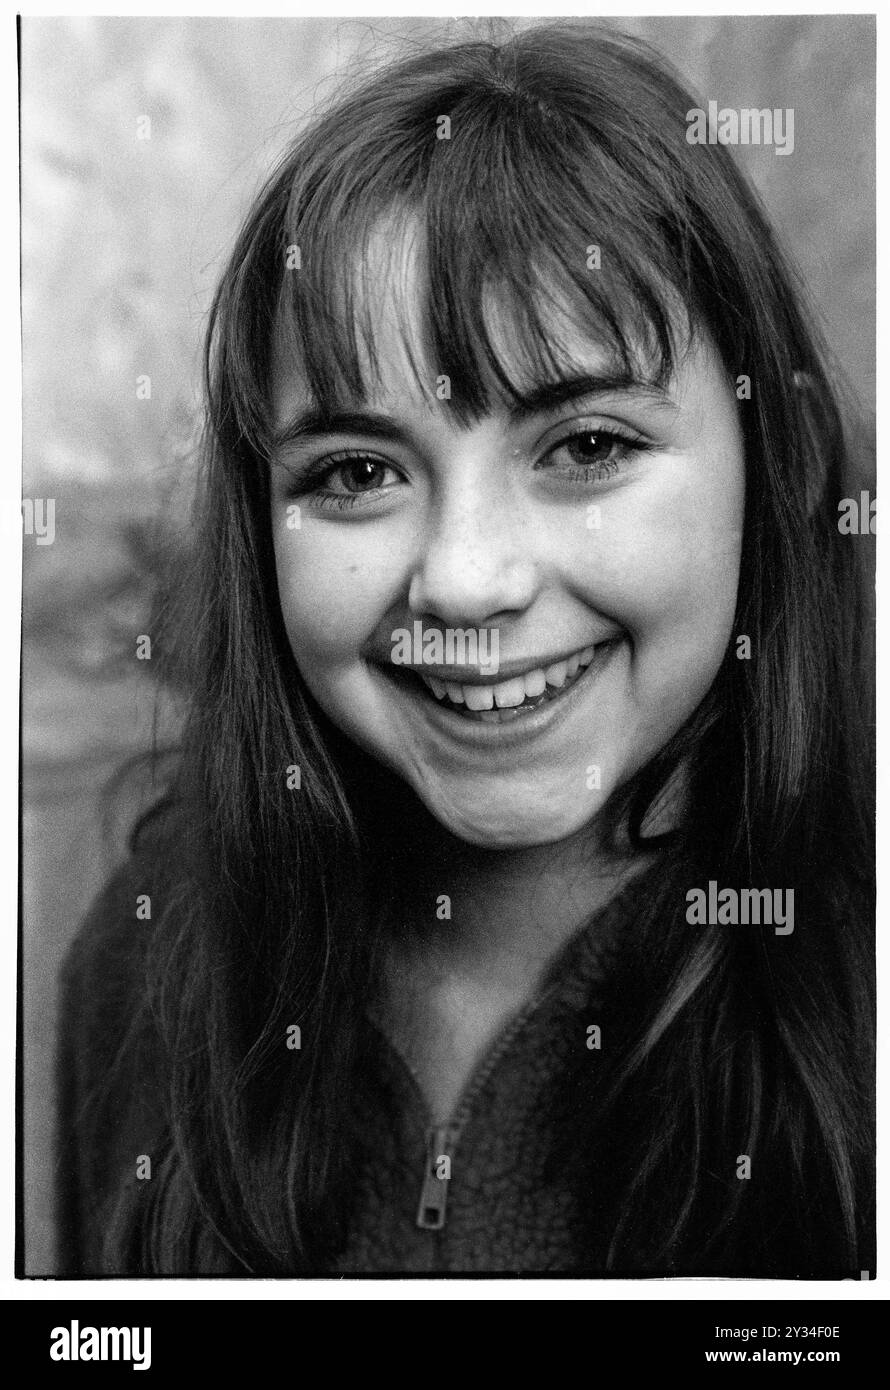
[(506, 227), (518, 269)]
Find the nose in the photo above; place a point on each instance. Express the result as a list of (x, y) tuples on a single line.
[(475, 561)]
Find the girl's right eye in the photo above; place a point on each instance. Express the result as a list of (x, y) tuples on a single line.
[(343, 480)]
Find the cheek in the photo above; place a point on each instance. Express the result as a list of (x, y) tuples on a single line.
[(665, 564), (334, 587)]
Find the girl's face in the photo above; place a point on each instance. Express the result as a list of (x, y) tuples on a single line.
[(596, 532)]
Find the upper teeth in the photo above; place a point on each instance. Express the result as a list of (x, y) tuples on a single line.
[(510, 693)]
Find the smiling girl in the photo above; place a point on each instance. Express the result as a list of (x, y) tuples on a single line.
[(500, 353)]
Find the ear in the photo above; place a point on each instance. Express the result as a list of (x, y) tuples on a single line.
[(819, 423)]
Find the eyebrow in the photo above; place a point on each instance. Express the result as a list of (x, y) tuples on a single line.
[(314, 423), (550, 396)]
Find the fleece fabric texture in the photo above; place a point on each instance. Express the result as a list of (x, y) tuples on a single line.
[(497, 1206)]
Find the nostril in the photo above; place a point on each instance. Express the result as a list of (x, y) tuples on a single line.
[(460, 590)]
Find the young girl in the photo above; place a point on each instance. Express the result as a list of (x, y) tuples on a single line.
[(510, 911)]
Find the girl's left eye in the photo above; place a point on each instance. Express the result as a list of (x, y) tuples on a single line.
[(591, 454)]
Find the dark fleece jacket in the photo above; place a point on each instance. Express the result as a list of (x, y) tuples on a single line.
[(498, 1205), (489, 1192)]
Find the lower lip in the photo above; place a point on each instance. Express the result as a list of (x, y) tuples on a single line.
[(480, 734)]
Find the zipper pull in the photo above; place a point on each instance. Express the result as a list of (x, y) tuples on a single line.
[(437, 1175)]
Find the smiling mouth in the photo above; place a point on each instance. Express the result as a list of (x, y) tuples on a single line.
[(499, 702)]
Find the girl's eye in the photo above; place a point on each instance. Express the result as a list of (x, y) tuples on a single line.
[(590, 455), (343, 481), (361, 474)]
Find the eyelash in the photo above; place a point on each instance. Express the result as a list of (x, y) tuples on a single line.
[(597, 472), (588, 473), (310, 483)]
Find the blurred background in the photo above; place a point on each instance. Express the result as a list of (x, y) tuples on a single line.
[(123, 241)]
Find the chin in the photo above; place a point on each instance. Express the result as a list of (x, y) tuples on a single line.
[(513, 827)]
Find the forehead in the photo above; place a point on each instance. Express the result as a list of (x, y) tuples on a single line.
[(385, 297)]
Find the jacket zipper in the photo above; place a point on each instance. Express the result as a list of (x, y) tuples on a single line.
[(441, 1140), (440, 1145)]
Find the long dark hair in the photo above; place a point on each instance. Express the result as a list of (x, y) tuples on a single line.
[(723, 1041)]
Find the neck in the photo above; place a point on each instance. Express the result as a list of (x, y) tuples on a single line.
[(502, 910)]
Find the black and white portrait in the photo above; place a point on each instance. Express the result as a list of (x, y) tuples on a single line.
[(447, 661)]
